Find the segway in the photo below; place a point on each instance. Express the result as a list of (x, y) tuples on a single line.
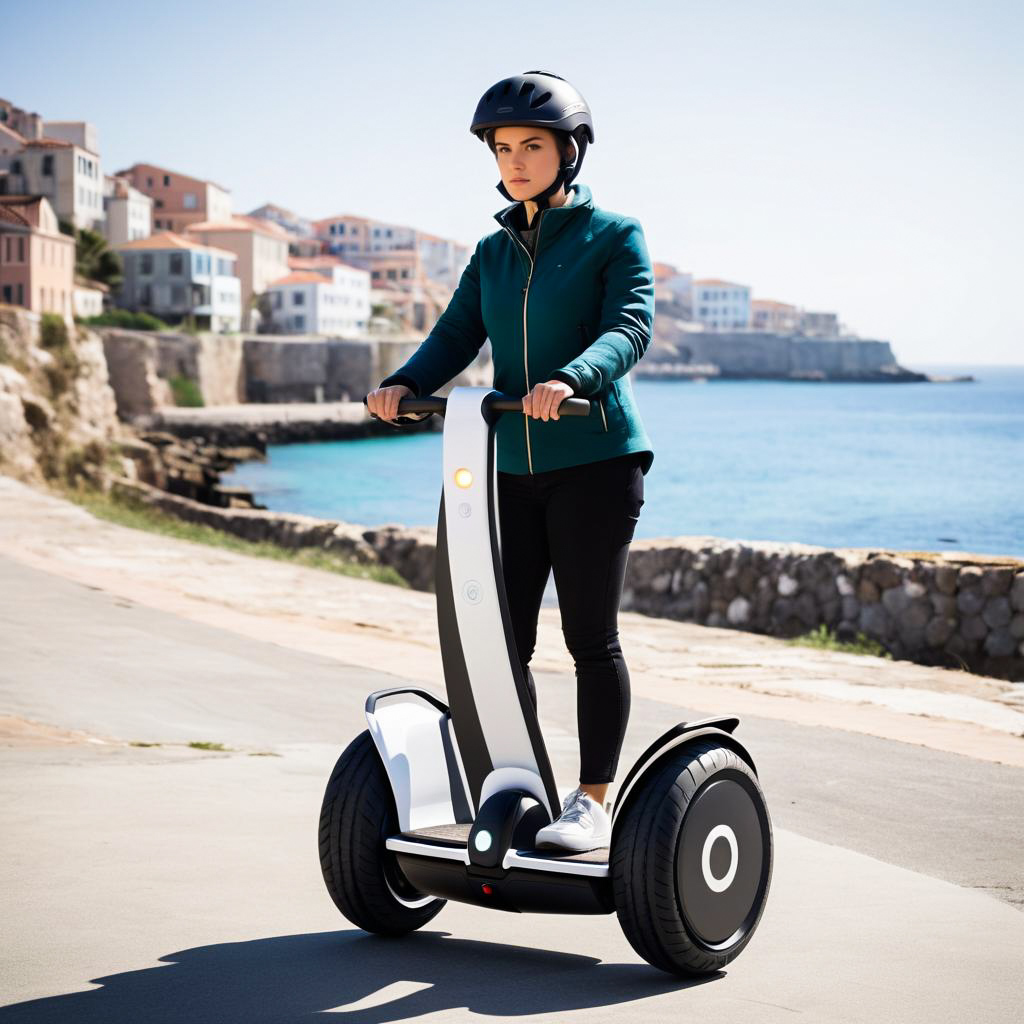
[(441, 801)]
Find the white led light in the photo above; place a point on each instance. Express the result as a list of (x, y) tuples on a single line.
[(483, 840)]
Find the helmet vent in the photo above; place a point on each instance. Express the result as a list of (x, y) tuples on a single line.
[(539, 101), (504, 92), (490, 93), (525, 88)]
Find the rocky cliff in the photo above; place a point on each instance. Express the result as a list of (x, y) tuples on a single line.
[(58, 416)]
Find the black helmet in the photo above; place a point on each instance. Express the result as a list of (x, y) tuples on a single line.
[(540, 98)]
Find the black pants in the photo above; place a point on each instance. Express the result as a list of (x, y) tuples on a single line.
[(577, 521)]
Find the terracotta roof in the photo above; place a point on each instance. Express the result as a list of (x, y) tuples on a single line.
[(169, 240), (309, 262), (342, 216), (300, 277), (10, 215), (22, 210), (719, 281), (240, 222), (166, 170), (771, 304), (50, 143)]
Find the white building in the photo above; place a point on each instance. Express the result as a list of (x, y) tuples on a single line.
[(721, 305), (333, 301), (129, 212), (68, 175)]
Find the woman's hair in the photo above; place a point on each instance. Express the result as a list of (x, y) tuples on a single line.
[(563, 139)]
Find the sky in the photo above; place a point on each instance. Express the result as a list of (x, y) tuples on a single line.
[(858, 157)]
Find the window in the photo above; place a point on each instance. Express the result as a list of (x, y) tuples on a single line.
[(167, 179), (48, 165), (190, 201), (149, 182), (21, 251), (298, 298), (20, 301), (392, 275), (159, 204), (341, 229), (300, 322), (275, 300), (177, 263), (15, 167), (177, 294), (146, 295), (8, 293)]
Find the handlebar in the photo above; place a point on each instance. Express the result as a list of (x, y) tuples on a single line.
[(495, 401)]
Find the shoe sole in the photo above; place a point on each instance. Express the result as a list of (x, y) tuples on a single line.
[(545, 844)]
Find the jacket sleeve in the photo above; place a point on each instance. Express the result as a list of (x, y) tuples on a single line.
[(452, 344), (627, 317)]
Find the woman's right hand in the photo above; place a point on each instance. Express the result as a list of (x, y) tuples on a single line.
[(383, 402)]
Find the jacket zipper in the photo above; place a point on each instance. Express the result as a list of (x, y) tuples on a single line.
[(600, 400), (526, 296)]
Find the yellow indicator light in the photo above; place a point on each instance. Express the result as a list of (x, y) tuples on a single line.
[(463, 478)]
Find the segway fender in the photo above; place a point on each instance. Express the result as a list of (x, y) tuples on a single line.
[(685, 732), (413, 733)]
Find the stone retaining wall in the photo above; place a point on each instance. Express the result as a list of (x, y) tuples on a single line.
[(953, 609), (957, 610)]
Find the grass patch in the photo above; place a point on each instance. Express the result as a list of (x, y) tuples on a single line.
[(264, 753), (825, 639), (207, 745), (126, 319), (137, 515), (186, 392), (139, 743)]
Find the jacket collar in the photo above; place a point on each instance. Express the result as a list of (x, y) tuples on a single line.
[(579, 197)]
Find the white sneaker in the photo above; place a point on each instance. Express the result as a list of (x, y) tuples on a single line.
[(582, 825)]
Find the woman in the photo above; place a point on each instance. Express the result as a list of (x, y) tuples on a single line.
[(565, 292)]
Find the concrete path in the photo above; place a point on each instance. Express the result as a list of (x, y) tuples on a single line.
[(165, 883)]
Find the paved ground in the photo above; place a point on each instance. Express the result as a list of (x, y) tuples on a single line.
[(166, 883)]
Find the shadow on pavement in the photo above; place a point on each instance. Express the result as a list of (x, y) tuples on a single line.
[(291, 978)]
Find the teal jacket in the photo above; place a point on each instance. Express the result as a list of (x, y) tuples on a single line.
[(579, 310)]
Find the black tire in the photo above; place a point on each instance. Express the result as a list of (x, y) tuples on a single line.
[(652, 862), (362, 877)]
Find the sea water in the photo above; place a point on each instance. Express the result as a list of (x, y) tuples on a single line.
[(925, 466)]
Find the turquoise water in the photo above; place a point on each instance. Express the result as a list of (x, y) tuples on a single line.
[(933, 467)]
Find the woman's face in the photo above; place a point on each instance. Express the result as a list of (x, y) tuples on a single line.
[(528, 158)]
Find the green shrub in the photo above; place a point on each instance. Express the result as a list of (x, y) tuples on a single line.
[(128, 320), (53, 337), (53, 332), (186, 392)]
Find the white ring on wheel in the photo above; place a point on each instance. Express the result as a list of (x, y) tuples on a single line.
[(723, 883)]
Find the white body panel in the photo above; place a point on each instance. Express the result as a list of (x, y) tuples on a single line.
[(474, 578), (410, 735)]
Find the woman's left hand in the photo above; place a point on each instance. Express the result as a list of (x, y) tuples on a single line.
[(543, 401)]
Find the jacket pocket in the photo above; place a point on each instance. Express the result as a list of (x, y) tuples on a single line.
[(585, 338)]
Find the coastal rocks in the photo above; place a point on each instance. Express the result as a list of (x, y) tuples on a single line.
[(956, 611), (189, 468)]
